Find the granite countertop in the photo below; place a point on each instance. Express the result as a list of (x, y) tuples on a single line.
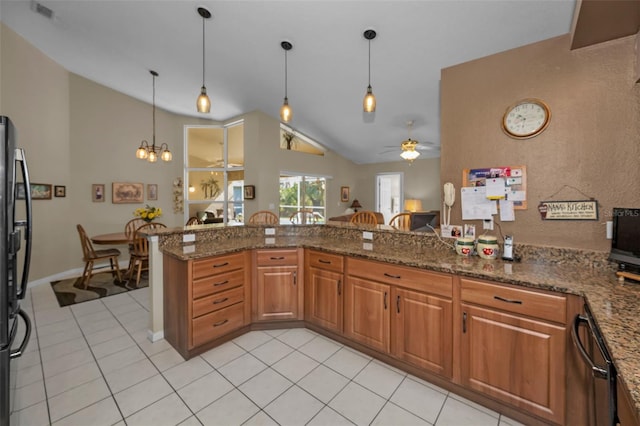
[(614, 305)]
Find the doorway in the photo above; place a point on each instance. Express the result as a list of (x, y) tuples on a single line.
[(389, 194)]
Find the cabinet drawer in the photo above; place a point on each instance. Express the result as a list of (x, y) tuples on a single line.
[(416, 279), (276, 257), (330, 262), (217, 265), (540, 305), (217, 283), (216, 324), (217, 301)]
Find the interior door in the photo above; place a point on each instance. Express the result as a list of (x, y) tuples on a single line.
[(389, 194)]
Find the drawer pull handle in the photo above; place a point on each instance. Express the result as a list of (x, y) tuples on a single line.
[(397, 277), (220, 265), (277, 258), (502, 299), (215, 302), (221, 283), (218, 324), (328, 262)]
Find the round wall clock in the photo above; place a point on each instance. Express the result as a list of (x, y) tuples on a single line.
[(526, 118)]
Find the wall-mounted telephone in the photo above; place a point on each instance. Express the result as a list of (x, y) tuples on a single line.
[(449, 200)]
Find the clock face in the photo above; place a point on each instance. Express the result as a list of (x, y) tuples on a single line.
[(526, 119)]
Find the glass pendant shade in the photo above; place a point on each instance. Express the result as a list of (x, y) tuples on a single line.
[(369, 102), (286, 114), (166, 155), (203, 103), (153, 157), (142, 153)]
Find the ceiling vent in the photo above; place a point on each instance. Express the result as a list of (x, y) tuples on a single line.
[(41, 9)]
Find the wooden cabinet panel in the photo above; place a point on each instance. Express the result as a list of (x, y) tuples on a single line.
[(326, 261), (627, 412), (277, 293), (216, 324), (547, 306), (422, 330), (217, 265), (217, 283), (323, 296), (417, 279), (217, 301), (514, 359), (366, 313)]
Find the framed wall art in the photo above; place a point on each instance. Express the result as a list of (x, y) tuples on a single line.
[(152, 191), (127, 192), (60, 191), (97, 193), (249, 192), (344, 194), (40, 191)]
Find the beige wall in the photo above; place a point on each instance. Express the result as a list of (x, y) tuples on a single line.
[(421, 181), (591, 144)]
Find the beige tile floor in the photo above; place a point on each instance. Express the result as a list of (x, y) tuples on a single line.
[(91, 364)]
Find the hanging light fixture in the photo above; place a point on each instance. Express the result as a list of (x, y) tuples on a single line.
[(203, 103), (286, 113), (409, 151), (150, 153), (369, 102)]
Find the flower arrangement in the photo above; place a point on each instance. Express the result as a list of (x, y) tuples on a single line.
[(148, 213)]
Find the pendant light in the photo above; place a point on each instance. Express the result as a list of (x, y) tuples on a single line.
[(150, 153), (203, 103), (369, 102), (286, 113)]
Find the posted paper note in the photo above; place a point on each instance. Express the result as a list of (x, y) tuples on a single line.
[(475, 204)]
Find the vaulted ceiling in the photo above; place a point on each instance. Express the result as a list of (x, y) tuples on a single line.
[(117, 42)]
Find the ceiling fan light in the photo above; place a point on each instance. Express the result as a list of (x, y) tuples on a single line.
[(410, 155), (369, 102), (203, 103), (286, 114)]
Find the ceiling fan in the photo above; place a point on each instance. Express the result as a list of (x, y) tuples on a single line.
[(410, 148)]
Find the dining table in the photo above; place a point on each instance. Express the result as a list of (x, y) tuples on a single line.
[(114, 238)]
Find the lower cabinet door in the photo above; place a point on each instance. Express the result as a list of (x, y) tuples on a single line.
[(366, 313), (277, 293), (323, 294), (421, 330), (211, 326), (518, 360)]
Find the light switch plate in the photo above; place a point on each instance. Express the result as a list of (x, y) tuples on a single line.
[(188, 238), (487, 224), (366, 235), (269, 231)]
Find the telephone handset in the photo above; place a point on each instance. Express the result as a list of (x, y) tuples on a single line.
[(449, 194), (449, 199)]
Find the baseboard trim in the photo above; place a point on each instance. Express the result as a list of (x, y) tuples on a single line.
[(154, 337)]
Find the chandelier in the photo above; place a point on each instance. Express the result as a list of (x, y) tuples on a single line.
[(150, 153)]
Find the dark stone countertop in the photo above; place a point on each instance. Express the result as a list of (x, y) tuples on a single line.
[(614, 305)]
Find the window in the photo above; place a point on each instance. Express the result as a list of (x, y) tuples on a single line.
[(293, 140), (214, 173), (302, 199)]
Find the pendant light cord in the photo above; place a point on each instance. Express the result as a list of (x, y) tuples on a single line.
[(285, 73), (203, 57), (369, 62), (154, 112)]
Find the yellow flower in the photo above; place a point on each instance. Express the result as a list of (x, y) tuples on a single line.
[(148, 212)]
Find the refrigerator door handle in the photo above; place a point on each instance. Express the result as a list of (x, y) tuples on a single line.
[(27, 224), (27, 322)]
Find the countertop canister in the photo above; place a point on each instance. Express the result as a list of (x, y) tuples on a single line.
[(488, 247)]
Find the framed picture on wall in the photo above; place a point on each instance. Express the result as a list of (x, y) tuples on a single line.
[(40, 191), (249, 192), (60, 191), (97, 193), (152, 191), (344, 194), (127, 192)]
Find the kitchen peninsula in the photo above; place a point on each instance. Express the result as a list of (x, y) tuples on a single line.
[(556, 284)]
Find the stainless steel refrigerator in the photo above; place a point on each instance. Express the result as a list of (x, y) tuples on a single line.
[(15, 257)]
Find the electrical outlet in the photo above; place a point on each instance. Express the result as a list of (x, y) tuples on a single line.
[(269, 231), (188, 238), (487, 224), (270, 240), (609, 229), (366, 235)]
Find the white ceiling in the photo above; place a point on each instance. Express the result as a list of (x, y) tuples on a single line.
[(116, 42)]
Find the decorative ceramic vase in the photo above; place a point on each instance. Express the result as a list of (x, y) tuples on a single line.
[(488, 247)]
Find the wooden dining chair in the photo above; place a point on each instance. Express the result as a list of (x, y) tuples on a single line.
[(139, 256), (193, 221), (304, 216), (264, 217), (401, 221), (131, 226), (364, 217), (90, 256)]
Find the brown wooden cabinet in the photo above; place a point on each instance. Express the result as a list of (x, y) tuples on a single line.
[(366, 312), (511, 350), (324, 289), (278, 286), (205, 299)]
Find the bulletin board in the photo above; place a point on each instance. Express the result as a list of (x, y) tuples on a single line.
[(515, 178)]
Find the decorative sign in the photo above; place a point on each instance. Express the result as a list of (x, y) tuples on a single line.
[(569, 210)]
